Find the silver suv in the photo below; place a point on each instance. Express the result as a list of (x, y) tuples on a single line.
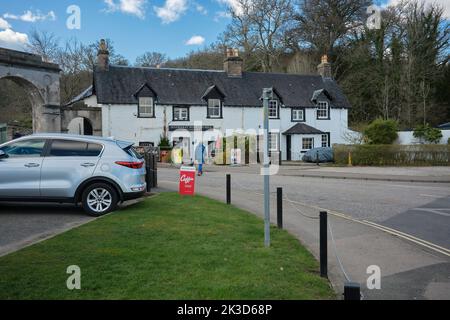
[(98, 172)]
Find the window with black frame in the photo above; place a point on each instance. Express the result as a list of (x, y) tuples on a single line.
[(180, 113), (323, 111), (214, 108), (146, 108), (307, 143), (298, 115), (325, 140), (273, 109)]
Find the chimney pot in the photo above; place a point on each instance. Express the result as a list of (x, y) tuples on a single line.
[(103, 56), (324, 68), (233, 64)]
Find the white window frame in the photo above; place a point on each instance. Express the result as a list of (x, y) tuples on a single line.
[(178, 113), (213, 106), (326, 142), (295, 113), (146, 107), (273, 137), (323, 110), (311, 139)]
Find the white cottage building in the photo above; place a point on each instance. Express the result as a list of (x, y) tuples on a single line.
[(145, 104)]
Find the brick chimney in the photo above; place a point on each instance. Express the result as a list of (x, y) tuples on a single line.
[(324, 68), (233, 64), (103, 56)]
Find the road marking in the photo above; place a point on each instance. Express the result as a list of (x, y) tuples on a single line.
[(391, 231), (434, 210), (409, 237), (432, 196)]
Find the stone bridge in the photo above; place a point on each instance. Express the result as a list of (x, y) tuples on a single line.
[(41, 81)]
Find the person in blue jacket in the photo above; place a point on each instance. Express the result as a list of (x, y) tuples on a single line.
[(200, 157)]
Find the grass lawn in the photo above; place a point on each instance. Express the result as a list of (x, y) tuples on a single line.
[(167, 247)]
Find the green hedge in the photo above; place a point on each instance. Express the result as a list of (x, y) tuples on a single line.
[(391, 155)]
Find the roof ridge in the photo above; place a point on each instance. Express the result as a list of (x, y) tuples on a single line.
[(221, 71)]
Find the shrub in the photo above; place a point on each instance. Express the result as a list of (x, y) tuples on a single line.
[(428, 134), (164, 142), (381, 131), (383, 155)]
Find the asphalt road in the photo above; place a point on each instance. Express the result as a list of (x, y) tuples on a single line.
[(420, 209), (412, 268)]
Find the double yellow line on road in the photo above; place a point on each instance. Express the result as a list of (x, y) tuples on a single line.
[(396, 233)]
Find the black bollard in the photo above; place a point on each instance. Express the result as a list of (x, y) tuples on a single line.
[(323, 245), (352, 291), (228, 188), (280, 208)]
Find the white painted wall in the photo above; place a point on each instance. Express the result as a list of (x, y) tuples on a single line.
[(121, 122), (297, 152), (407, 137), (76, 126)]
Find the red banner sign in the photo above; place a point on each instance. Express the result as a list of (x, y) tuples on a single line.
[(187, 181)]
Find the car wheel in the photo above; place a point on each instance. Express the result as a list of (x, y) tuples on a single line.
[(99, 199)]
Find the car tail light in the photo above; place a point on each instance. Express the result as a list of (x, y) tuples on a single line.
[(131, 165)]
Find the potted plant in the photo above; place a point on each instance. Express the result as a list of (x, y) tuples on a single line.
[(164, 149)]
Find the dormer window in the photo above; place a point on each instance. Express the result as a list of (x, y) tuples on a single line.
[(214, 108), (273, 109), (323, 110), (146, 107), (146, 98)]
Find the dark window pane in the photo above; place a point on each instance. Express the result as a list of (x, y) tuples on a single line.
[(67, 148), (94, 150), (25, 148)]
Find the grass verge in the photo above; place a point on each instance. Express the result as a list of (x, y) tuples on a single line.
[(167, 247)]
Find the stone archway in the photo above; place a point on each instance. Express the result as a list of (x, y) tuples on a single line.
[(91, 118), (41, 81), (80, 125)]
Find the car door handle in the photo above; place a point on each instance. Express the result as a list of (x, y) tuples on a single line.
[(32, 165), (86, 165)]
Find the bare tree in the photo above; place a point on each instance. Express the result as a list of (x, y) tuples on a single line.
[(259, 28), (91, 50), (322, 24), (151, 59), (43, 43)]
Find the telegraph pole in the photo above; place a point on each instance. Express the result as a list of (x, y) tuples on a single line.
[(267, 95)]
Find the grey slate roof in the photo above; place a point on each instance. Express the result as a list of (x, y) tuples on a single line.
[(83, 95), (182, 86), (301, 128)]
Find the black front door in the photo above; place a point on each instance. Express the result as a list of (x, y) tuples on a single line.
[(288, 148)]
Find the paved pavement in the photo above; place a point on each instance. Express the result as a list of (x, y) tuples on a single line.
[(403, 174), (401, 227), (25, 224)]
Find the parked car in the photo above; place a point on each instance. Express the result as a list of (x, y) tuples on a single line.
[(96, 172), (324, 154)]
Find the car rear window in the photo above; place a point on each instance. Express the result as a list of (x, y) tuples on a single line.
[(132, 152), (70, 148)]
